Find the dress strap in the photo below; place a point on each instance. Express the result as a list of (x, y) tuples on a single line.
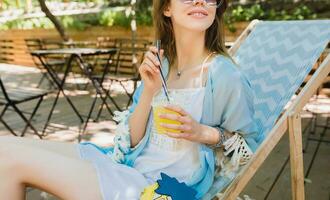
[(201, 73)]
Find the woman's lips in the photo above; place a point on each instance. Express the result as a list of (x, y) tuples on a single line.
[(198, 13)]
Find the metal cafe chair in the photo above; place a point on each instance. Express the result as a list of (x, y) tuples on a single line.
[(124, 68), (11, 97), (56, 62)]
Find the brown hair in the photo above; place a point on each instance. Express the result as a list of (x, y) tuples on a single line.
[(214, 37)]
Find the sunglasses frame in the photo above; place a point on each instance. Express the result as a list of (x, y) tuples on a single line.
[(192, 1)]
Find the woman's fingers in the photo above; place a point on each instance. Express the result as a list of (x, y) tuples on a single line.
[(152, 55), (178, 135), (177, 109), (149, 71), (149, 66), (182, 127), (154, 51), (181, 119), (149, 55)]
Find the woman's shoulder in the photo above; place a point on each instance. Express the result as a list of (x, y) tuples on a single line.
[(228, 80), (225, 71)]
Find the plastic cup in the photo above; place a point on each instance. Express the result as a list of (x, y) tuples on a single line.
[(158, 121)]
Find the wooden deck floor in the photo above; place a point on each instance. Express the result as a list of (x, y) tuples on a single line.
[(272, 181)]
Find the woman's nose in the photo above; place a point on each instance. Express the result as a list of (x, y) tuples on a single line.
[(199, 2)]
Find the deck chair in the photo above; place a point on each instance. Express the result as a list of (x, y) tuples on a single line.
[(276, 57), (10, 97)]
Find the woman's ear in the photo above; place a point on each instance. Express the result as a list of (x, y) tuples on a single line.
[(167, 12)]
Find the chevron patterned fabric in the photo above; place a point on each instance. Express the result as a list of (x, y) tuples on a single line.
[(276, 57)]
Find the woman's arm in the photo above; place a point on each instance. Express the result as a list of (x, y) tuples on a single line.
[(138, 120), (150, 76), (212, 136)]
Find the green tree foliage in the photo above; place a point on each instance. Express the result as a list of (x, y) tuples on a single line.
[(255, 11), (111, 18)]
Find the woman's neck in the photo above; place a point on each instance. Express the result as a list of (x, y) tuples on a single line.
[(190, 47)]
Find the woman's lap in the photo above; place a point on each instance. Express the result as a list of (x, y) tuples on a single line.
[(117, 181)]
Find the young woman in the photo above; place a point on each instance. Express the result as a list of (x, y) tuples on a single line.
[(210, 98)]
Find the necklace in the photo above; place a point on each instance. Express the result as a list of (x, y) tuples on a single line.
[(179, 72)]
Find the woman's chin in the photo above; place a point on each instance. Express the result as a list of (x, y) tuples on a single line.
[(198, 25), (197, 28)]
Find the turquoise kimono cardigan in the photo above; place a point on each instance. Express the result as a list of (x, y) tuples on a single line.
[(228, 105)]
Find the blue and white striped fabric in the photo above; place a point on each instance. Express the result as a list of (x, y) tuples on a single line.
[(276, 57)]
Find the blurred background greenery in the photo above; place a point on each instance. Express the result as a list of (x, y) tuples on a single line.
[(110, 13)]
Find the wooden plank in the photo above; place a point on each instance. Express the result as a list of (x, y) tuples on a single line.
[(242, 37), (296, 157), (312, 85), (261, 154), (315, 189)]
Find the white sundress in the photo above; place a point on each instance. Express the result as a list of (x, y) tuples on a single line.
[(175, 157)]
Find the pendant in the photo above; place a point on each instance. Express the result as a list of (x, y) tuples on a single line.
[(178, 74)]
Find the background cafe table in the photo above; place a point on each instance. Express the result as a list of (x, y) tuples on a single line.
[(78, 55)]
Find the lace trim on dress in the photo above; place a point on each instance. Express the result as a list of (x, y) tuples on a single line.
[(236, 153), (122, 140)]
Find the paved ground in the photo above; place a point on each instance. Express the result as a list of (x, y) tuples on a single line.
[(272, 181)]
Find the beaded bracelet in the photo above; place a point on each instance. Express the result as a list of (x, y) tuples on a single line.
[(221, 140)]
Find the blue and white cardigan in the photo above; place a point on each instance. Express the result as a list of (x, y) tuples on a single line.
[(228, 105)]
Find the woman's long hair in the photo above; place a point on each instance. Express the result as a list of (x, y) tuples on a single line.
[(214, 37)]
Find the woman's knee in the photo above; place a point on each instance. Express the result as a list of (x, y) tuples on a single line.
[(9, 140), (6, 150), (10, 158)]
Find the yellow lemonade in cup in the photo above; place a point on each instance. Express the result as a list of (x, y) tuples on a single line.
[(157, 110)]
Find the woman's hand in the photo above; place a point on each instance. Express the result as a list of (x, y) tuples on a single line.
[(189, 128), (149, 70)]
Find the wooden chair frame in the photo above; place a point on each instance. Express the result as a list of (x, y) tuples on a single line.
[(290, 120)]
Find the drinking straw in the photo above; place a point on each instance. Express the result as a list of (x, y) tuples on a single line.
[(158, 44)]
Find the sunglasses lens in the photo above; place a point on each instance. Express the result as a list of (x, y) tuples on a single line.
[(187, 1), (214, 2), (209, 2)]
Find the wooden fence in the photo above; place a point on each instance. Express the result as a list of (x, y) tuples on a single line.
[(19, 55)]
